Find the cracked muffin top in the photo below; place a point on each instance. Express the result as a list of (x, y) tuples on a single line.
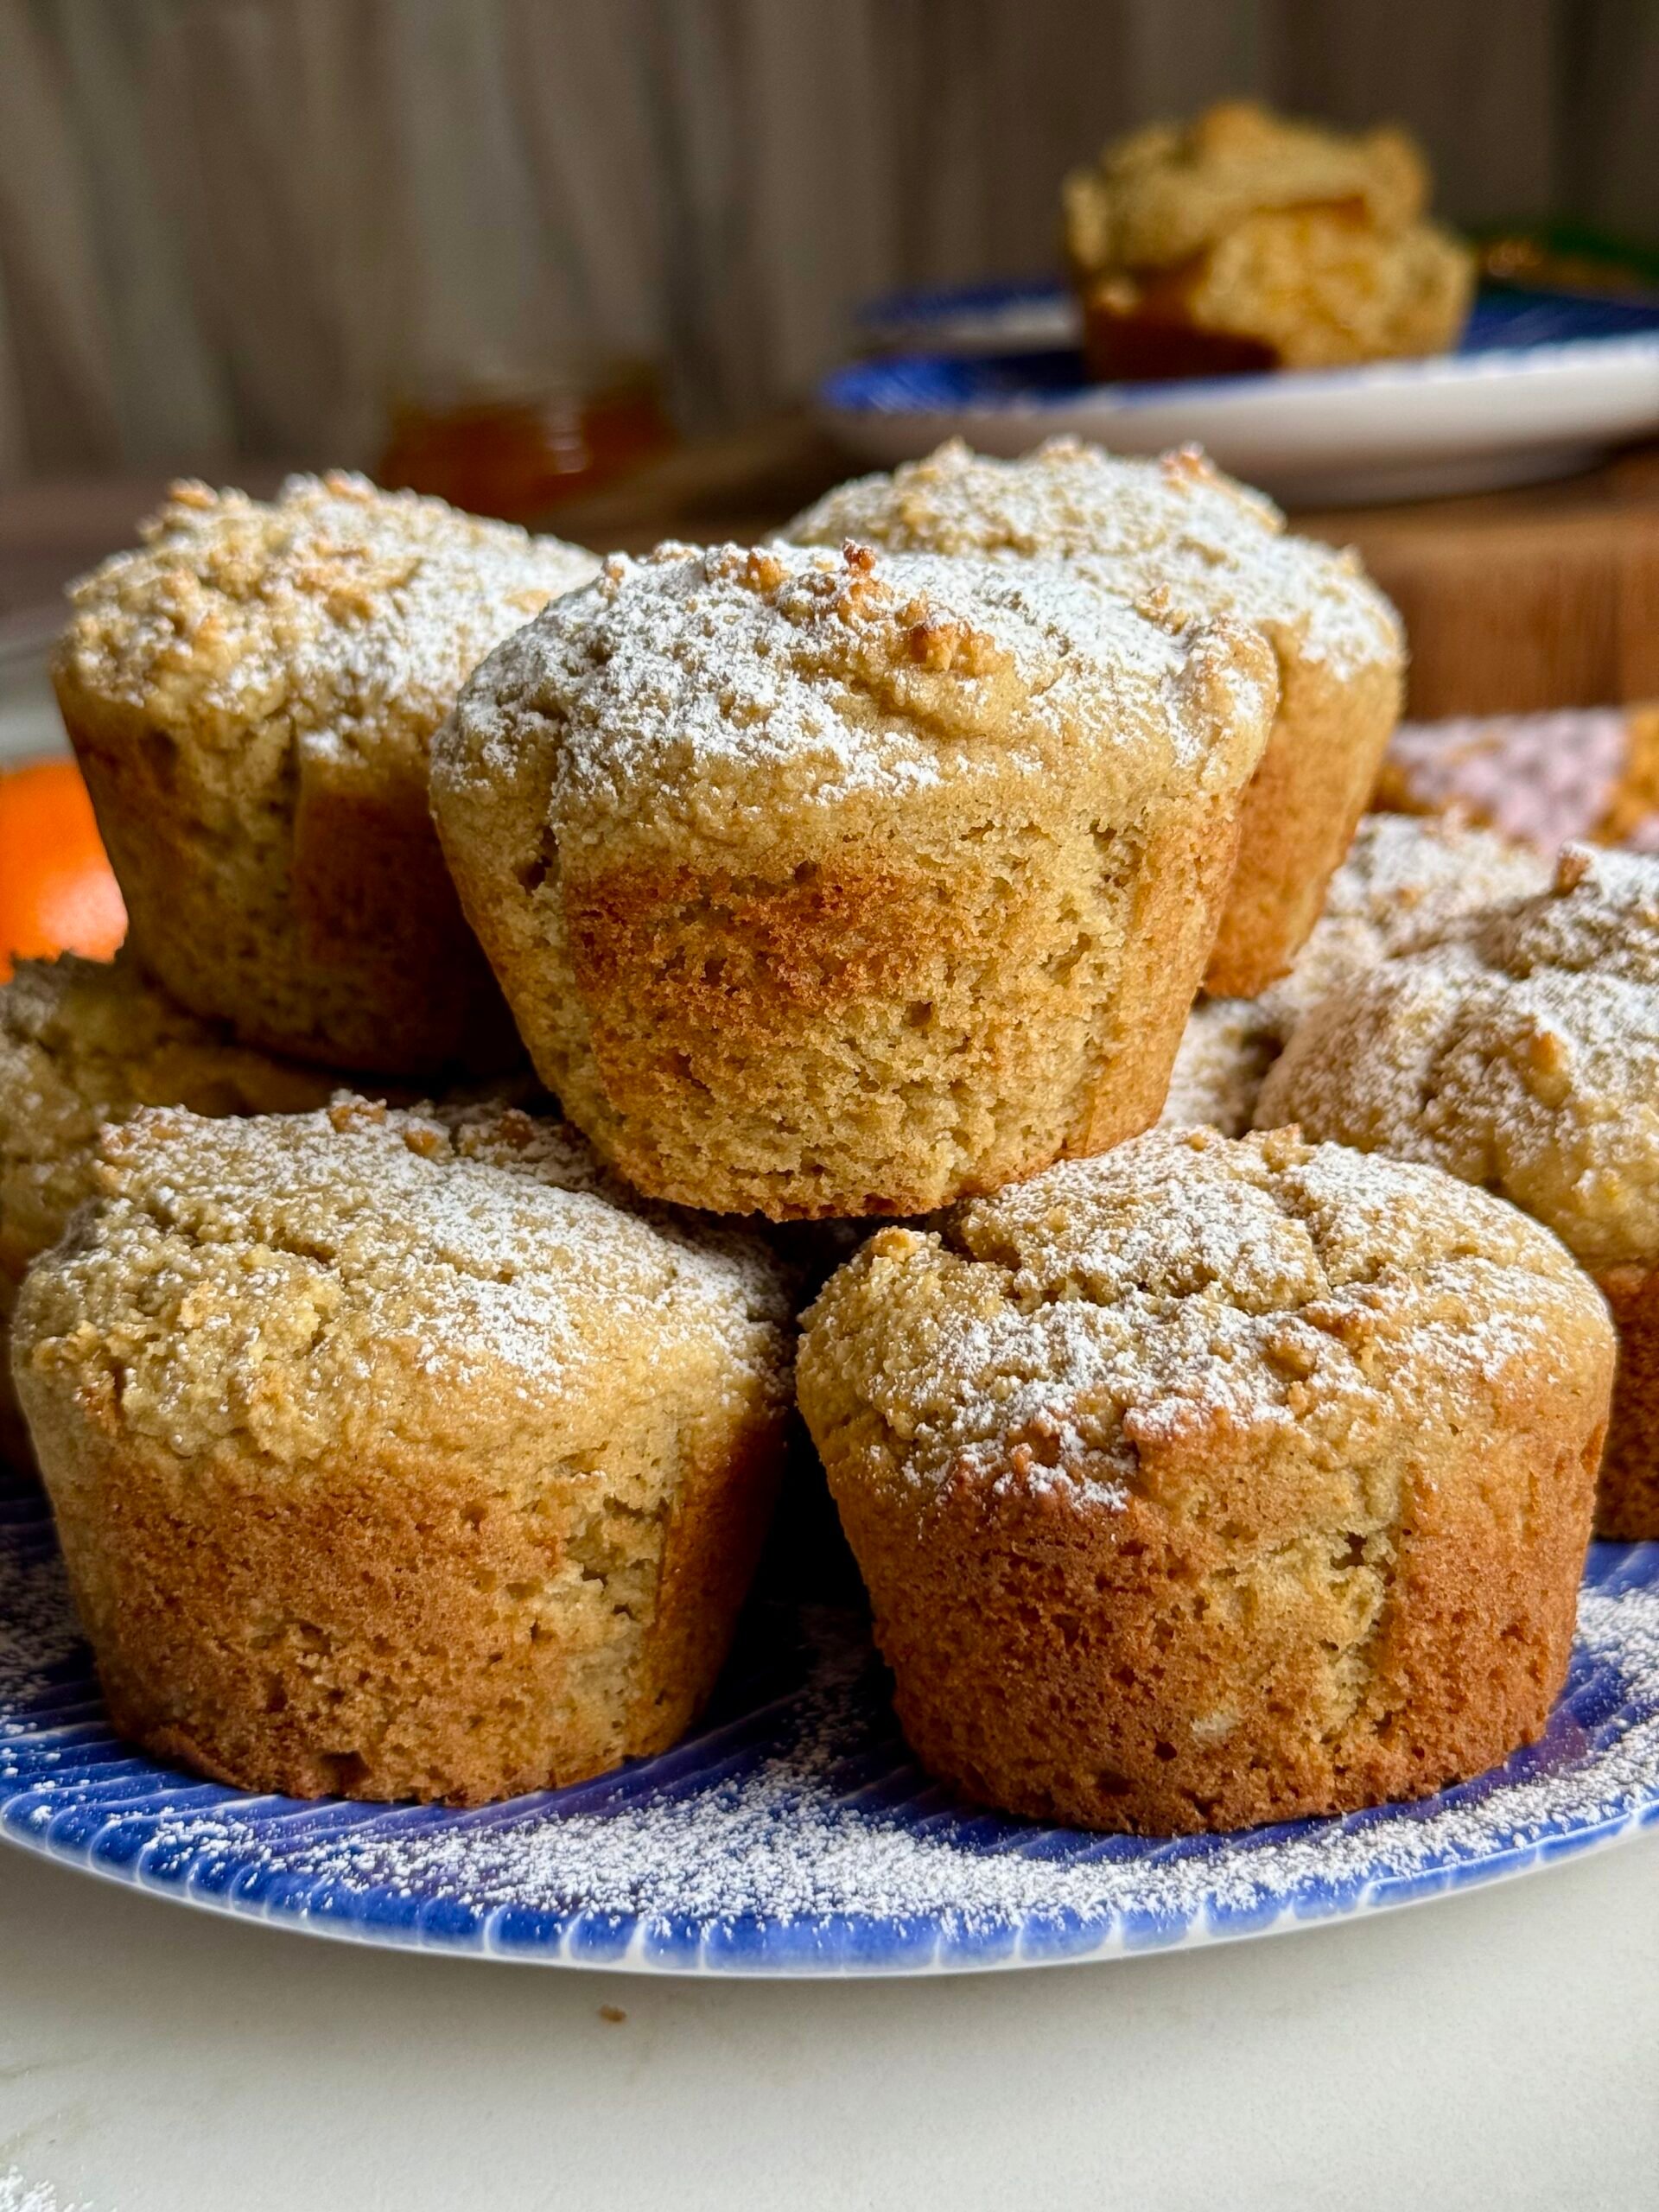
[(350, 615), (1118, 1315), (317, 1283), (84, 1042), (734, 684), (1517, 1048), (1405, 877)]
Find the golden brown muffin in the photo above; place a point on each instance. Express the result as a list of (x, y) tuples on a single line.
[(251, 695), (84, 1042), (1213, 1483), (1176, 537), (844, 883), (1404, 879), (390, 1457), (1244, 241), (1518, 1048)]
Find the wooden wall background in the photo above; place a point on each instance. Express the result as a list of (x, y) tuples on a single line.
[(230, 228)]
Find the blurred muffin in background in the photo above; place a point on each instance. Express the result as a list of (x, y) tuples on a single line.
[(1244, 241)]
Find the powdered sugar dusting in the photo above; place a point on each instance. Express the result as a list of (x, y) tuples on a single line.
[(299, 1276), (1173, 533), (1181, 1287), (338, 607), (726, 682), (1403, 879), (802, 1811), (1517, 1048), (19, 2193)]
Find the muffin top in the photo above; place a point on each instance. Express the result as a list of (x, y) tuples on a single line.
[(351, 613), (1174, 538), (83, 1042), (1517, 1047), (725, 691), (1403, 879), (1116, 1316), (317, 1283), (1163, 193)]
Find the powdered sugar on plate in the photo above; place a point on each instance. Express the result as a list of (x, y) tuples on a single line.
[(792, 1833), (19, 2193)]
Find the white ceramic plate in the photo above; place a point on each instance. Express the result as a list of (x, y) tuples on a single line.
[(1544, 385)]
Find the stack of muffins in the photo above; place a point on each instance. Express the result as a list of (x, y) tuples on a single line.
[(412, 1430)]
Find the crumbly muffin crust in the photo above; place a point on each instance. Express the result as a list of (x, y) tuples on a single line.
[(1208, 1483), (82, 1043), (837, 883), (1244, 241), (390, 1456), (1518, 1048), (1181, 542), (1403, 879), (252, 693)]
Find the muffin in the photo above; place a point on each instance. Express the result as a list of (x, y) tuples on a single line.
[(251, 695), (390, 1457), (1177, 538), (1518, 1048), (1243, 241), (845, 883), (1212, 1483), (1223, 1059), (1404, 879), (84, 1042)]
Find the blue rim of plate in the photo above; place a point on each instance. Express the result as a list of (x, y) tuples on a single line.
[(801, 1779), (1509, 330)]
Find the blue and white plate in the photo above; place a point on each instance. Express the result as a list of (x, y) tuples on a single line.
[(790, 1834), (1543, 384)]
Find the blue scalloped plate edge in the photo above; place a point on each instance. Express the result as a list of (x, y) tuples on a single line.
[(93, 1826), (1511, 332)]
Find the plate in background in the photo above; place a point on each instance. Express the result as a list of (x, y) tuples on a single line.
[(1544, 385), (790, 1834)]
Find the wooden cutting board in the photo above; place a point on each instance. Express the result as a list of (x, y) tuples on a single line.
[(1543, 597)]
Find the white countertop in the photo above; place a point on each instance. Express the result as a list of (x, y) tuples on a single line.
[(1494, 2050)]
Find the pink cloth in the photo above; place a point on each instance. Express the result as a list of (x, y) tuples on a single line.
[(1542, 778)]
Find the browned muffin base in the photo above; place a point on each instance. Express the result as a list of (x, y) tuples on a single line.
[(370, 1629), (1627, 1500), (1050, 1657), (1301, 810), (333, 937), (1152, 342)]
